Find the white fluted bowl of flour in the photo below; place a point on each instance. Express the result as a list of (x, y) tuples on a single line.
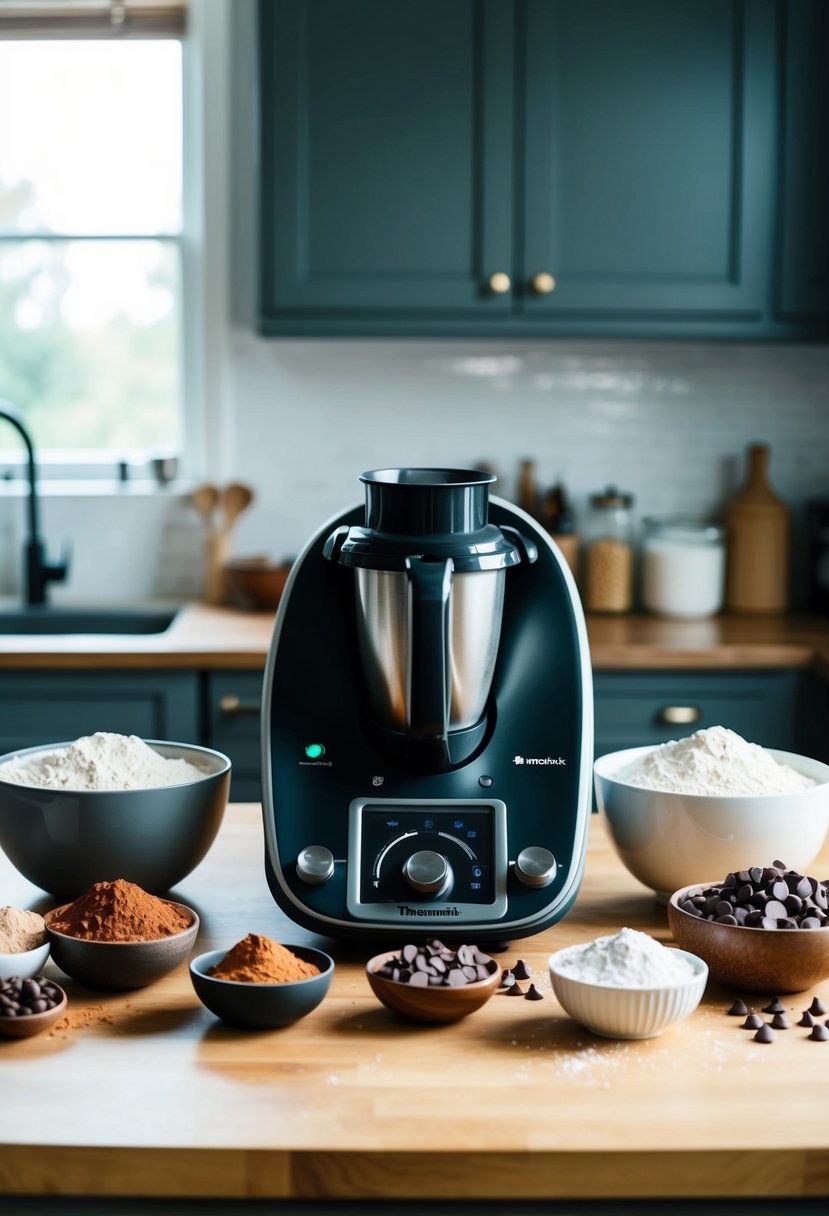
[(110, 806), (627, 985), (668, 838)]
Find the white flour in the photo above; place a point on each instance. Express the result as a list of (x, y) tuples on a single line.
[(627, 959), (715, 761), (102, 761)]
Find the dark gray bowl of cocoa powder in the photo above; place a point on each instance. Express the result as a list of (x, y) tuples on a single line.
[(138, 958), (256, 1005)]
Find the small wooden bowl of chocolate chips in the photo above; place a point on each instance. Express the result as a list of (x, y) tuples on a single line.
[(29, 1005), (765, 929), (433, 982)]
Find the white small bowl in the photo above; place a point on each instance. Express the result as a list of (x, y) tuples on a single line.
[(26, 963), (668, 841), (627, 1013)]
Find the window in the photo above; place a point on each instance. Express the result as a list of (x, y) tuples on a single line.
[(91, 233)]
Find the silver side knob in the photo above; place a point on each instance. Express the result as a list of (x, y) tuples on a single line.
[(315, 864), (428, 873), (535, 866)]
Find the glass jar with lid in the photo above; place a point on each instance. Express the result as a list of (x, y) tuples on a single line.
[(608, 563), (683, 566)]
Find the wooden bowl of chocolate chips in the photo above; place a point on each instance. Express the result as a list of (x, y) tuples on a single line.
[(433, 982), (765, 929)]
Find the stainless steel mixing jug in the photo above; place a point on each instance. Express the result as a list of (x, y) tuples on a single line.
[(429, 591)]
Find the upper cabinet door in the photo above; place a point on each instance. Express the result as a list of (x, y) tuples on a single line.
[(386, 153), (804, 210), (649, 158)]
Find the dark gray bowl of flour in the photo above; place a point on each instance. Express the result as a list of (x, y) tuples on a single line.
[(64, 840)]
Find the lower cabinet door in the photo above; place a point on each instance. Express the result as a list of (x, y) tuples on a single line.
[(780, 709), (234, 704), (47, 707)]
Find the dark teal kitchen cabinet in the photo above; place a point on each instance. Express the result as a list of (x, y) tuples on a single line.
[(233, 701), (38, 707), (804, 204), (386, 158), (783, 709), (526, 167)]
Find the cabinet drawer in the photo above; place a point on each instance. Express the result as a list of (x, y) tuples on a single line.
[(634, 709)]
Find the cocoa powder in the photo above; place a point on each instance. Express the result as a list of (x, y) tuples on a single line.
[(259, 960), (119, 911)]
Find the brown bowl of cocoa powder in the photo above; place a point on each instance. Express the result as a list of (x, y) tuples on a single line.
[(261, 984), (118, 936)]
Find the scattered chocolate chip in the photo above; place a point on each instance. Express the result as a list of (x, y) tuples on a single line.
[(780, 1022), (775, 1005), (807, 1019), (521, 971), (817, 1006), (753, 1022), (516, 990), (819, 1033), (739, 1009), (532, 994), (507, 980), (765, 1034)]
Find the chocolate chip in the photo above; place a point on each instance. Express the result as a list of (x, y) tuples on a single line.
[(20, 998), (817, 1006), (516, 990), (806, 1019), (433, 965), (507, 980), (532, 994), (771, 898), (521, 971), (739, 1009), (819, 1033), (780, 1022), (765, 1034), (775, 1005), (752, 1022)]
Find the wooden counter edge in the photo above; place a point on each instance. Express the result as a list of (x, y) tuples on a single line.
[(374, 1175)]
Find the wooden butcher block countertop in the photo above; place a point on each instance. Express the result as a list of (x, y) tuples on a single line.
[(146, 1093), (223, 638)]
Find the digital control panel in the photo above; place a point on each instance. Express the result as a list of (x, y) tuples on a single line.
[(422, 858)]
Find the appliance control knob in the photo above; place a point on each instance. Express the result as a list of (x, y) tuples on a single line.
[(315, 864), (535, 866), (428, 873)]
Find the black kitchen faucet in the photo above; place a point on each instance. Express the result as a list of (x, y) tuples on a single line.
[(39, 572)]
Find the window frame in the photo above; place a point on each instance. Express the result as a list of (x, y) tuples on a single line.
[(204, 43)]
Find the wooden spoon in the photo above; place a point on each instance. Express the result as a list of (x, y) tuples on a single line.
[(236, 498), (205, 499)]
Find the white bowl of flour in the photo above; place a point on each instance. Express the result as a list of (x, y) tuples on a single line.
[(110, 806), (627, 985), (711, 803)]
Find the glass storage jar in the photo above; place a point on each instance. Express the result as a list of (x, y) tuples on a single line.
[(608, 563), (683, 566)]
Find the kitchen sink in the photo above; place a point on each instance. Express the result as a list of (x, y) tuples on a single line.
[(46, 620)]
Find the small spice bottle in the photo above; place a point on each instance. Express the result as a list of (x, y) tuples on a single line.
[(608, 567)]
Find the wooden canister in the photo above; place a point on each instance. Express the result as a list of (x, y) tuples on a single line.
[(758, 524)]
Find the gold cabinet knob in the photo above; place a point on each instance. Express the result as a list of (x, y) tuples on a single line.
[(499, 283), (679, 715), (543, 283)]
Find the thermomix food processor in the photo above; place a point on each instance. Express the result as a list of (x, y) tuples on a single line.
[(427, 725)]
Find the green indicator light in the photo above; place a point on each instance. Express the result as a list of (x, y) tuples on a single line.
[(314, 750)]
